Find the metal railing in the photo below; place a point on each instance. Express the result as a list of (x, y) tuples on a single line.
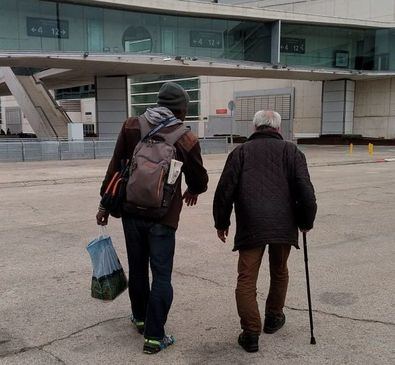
[(18, 150)]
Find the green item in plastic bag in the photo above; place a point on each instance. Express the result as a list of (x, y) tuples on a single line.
[(108, 279)]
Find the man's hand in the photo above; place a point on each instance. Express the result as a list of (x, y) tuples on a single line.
[(222, 234), (304, 230), (190, 199), (102, 217)]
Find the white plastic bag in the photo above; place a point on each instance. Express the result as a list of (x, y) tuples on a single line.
[(108, 279)]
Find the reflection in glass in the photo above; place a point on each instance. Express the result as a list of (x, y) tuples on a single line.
[(137, 40), (106, 30), (144, 93), (336, 47)]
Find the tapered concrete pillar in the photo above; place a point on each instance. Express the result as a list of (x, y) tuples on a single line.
[(43, 113)]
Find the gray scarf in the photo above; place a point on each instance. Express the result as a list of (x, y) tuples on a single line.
[(158, 114)]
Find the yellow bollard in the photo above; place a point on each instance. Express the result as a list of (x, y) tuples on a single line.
[(351, 148), (370, 149)]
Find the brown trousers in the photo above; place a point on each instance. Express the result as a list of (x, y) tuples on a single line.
[(248, 269)]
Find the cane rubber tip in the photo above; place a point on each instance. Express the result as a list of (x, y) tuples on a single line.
[(312, 342)]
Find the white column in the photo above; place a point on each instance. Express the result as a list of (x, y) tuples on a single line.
[(338, 107), (111, 105)]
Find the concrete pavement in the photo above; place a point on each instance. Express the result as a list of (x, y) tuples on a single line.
[(47, 315)]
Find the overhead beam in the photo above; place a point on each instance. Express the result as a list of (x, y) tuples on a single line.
[(92, 65)]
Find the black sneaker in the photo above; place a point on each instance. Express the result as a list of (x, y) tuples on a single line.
[(138, 324), (273, 322), (249, 342), (154, 346)]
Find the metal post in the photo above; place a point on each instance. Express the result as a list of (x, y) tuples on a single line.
[(231, 128), (23, 151), (231, 107), (312, 340), (59, 150)]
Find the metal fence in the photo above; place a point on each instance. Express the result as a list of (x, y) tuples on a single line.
[(31, 150), (212, 146)]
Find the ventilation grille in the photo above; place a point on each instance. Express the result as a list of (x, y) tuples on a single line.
[(247, 106), (71, 105)]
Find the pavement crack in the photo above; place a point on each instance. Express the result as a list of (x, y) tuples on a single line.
[(58, 359), (198, 277), (42, 346), (34, 209), (294, 308), (341, 317), (81, 330)]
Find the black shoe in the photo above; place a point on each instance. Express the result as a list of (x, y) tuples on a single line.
[(273, 322), (249, 342)]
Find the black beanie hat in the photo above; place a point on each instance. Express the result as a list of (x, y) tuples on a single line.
[(173, 96)]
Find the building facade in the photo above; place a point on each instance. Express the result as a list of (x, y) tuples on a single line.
[(327, 66)]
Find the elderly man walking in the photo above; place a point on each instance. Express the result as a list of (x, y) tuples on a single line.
[(268, 182)]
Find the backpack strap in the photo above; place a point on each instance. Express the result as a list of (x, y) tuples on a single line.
[(145, 127), (171, 138)]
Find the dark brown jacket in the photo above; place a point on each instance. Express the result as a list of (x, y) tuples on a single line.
[(268, 182), (188, 151)]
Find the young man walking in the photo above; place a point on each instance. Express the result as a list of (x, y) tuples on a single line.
[(267, 181), (150, 241)]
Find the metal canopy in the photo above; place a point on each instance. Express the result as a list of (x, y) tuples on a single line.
[(66, 69)]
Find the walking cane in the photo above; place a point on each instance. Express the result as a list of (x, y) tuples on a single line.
[(312, 341)]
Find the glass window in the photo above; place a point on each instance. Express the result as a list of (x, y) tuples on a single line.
[(144, 98), (335, 47), (193, 111), (168, 41), (144, 93), (87, 91), (84, 31), (138, 109), (52, 26), (89, 130), (137, 40), (248, 41), (55, 26), (194, 95), (147, 86)]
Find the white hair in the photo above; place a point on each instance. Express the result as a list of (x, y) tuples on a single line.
[(267, 118)]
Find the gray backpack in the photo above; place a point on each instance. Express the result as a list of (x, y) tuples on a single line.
[(147, 192)]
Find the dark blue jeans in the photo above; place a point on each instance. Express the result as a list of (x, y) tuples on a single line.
[(150, 243)]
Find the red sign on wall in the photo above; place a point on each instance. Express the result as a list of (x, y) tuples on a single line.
[(221, 111)]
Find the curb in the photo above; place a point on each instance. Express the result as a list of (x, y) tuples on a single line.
[(345, 163), (32, 183), (90, 179)]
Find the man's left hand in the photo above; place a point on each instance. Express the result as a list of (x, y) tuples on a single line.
[(222, 234), (190, 199), (102, 217)]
